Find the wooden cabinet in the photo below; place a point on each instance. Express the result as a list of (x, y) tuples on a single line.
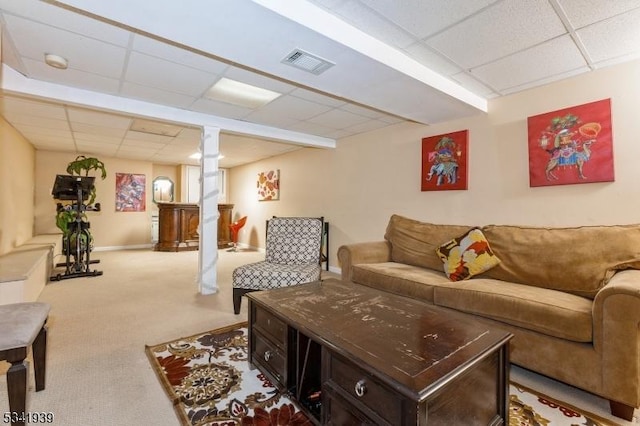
[(178, 227), (224, 233)]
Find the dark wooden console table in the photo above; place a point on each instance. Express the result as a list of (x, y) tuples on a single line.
[(178, 227), (350, 354)]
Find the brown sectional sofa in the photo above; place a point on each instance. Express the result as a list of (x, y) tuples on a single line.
[(570, 296)]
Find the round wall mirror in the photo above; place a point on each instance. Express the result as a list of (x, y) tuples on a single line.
[(162, 189)]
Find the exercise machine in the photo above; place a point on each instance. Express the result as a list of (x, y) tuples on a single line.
[(77, 240)]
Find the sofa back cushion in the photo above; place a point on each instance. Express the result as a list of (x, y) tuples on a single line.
[(576, 260), (415, 243)]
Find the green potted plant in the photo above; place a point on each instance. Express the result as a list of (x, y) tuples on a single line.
[(66, 215)]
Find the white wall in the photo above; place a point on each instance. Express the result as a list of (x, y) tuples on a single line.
[(368, 177)]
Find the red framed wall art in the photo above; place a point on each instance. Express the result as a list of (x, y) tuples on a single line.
[(444, 161), (571, 145)]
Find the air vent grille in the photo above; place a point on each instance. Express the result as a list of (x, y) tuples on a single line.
[(307, 61)]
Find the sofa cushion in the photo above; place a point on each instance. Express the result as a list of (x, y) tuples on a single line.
[(550, 312), (415, 243), (467, 256), (399, 278), (577, 260)]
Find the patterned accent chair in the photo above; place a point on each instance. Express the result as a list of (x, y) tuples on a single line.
[(292, 257)]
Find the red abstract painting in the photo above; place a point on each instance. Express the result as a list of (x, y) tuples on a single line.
[(130, 192), (444, 161), (571, 145)]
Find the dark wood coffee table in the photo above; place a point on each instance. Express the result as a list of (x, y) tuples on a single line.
[(351, 354)]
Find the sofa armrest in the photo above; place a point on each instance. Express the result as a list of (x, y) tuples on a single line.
[(370, 252), (616, 321)]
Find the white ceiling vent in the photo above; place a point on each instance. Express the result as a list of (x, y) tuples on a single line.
[(308, 62)]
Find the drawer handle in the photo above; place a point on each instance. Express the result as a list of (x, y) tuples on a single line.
[(361, 388), (267, 356)]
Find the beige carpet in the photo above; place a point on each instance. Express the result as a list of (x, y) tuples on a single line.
[(97, 371)]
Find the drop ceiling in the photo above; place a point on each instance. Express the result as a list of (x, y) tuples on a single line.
[(426, 61)]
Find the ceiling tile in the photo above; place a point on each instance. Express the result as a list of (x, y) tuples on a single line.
[(38, 122), (546, 80), (367, 126), (33, 40), (52, 138), (73, 22), (431, 59), (338, 119), (312, 128), (222, 109), (586, 12), (271, 119), (317, 97), (167, 75), (97, 149), (10, 55), (189, 133), (369, 21), (12, 106), (423, 18), (472, 84), (98, 130), (365, 112), (505, 28), (142, 144), (158, 96), (176, 54), (98, 118), (248, 77), (71, 77), (553, 57), (290, 107), (149, 137), (614, 37), (96, 138)]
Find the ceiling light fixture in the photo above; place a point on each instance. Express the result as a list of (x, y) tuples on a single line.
[(196, 156), (56, 61), (242, 94)]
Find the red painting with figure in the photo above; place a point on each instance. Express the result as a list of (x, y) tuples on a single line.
[(444, 161), (571, 145)]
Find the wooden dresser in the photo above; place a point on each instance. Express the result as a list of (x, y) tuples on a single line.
[(178, 227)]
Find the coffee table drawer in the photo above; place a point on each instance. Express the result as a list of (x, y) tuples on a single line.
[(364, 390), (340, 412), (270, 357), (270, 325)]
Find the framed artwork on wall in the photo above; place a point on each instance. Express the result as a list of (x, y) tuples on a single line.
[(444, 161), (131, 193), (571, 145), (269, 185)]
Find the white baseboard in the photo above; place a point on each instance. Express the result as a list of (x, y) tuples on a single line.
[(133, 247)]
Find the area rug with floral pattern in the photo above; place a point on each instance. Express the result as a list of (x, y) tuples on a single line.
[(209, 382)]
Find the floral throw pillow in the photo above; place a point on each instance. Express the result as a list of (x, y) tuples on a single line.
[(467, 256)]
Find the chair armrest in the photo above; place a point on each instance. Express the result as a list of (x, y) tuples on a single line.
[(370, 252), (616, 320)]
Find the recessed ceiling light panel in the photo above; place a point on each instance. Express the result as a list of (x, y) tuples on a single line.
[(307, 61), (242, 94)]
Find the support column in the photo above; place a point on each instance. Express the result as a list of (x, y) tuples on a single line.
[(208, 254)]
